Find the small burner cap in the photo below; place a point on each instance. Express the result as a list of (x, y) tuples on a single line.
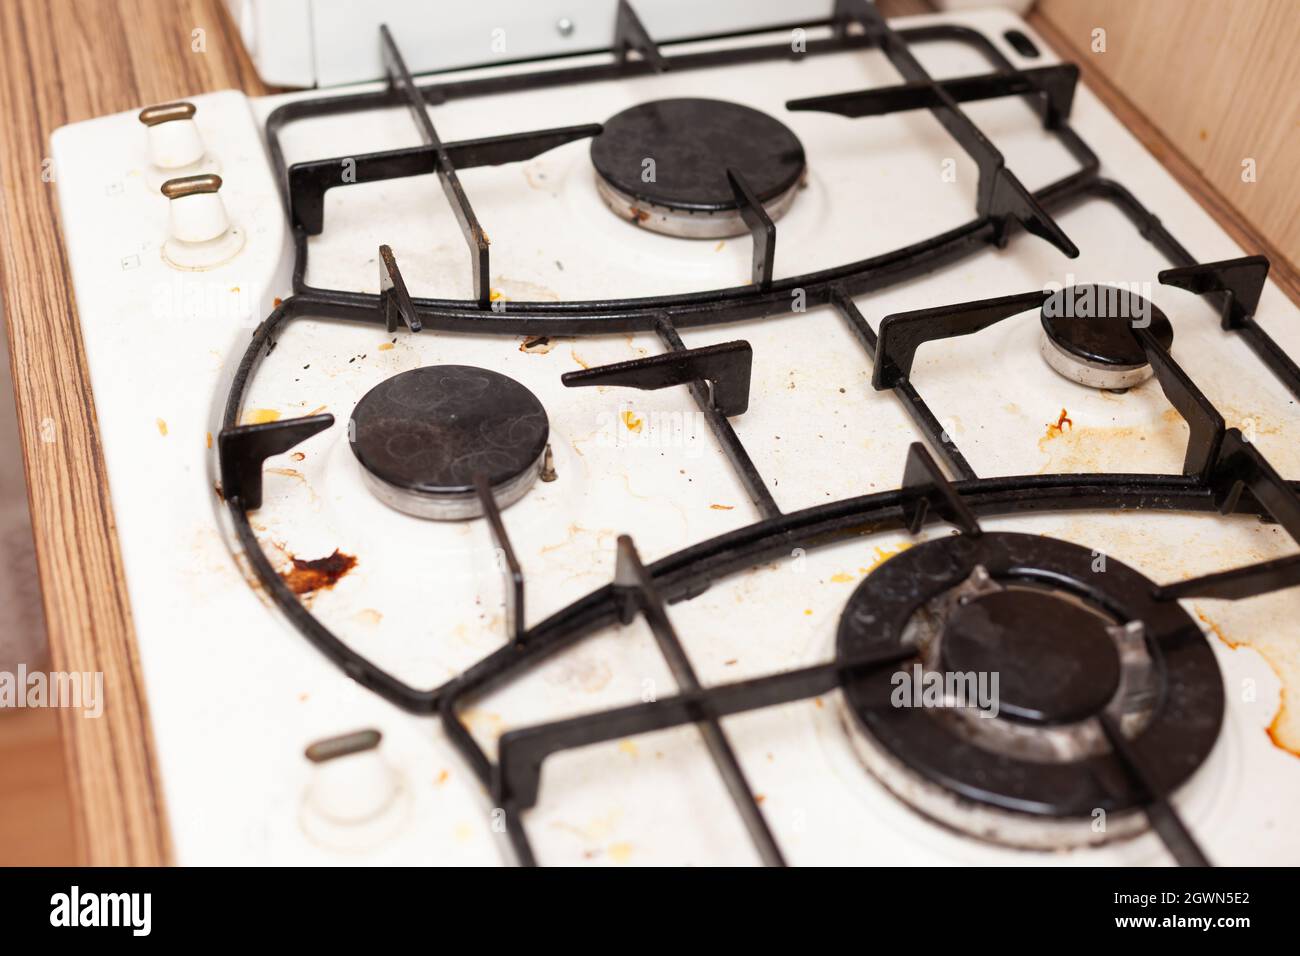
[(663, 165), (1088, 337), (422, 436), (1054, 658)]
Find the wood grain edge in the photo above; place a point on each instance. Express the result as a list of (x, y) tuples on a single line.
[(64, 61), (1281, 271)]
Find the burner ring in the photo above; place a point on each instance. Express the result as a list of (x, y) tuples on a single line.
[(1181, 730), (423, 435), (663, 165), (1088, 337)]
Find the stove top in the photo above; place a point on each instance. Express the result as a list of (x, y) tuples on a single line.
[(841, 443)]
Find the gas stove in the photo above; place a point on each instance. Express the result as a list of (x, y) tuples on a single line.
[(832, 443)]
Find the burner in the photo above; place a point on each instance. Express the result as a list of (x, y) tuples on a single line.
[(1067, 642), (663, 165), (422, 437), (1087, 335), (1056, 660)]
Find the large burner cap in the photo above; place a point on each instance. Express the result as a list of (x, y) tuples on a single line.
[(422, 436), (1001, 777), (1088, 335), (1055, 660), (663, 165)]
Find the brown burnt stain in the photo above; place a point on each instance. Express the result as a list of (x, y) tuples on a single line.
[(638, 216), (317, 574), (221, 495), (578, 358), (277, 302), (298, 456), (537, 344), (1278, 730)]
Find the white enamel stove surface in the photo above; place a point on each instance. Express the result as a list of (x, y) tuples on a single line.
[(236, 693)]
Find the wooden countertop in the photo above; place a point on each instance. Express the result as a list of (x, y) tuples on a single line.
[(70, 60), (64, 61)]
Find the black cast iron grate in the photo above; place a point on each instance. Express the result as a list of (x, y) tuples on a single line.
[(1222, 471)]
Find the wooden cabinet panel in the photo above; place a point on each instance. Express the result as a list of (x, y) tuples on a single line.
[(1220, 79)]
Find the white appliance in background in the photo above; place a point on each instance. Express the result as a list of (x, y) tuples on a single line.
[(314, 42), (236, 693)]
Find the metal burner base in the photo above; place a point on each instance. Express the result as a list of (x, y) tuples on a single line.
[(452, 506), (688, 223)]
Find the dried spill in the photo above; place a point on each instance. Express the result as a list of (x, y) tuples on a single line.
[(317, 574)]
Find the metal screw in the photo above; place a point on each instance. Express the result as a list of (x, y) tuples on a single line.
[(564, 26)]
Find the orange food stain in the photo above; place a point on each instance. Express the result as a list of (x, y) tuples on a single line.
[(386, 346), (209, 439), (162, 426), (1055, 429), (1274, 729), (260, 416), (884, 554), (443, 776), (723, 507), (277, 302), (630, 420)]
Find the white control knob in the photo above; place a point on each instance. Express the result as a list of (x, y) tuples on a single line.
[(201, 234), (355, 798), (174, 140), (196, 212)]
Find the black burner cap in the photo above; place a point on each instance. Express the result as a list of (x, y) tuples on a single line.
[(1186, 709), (692, 143), (1054, 659), (429, 431), (1095, 323)]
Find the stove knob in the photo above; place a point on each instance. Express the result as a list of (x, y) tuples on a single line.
[(174, 140), (355, 798), (196, 213), (201, 235)]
